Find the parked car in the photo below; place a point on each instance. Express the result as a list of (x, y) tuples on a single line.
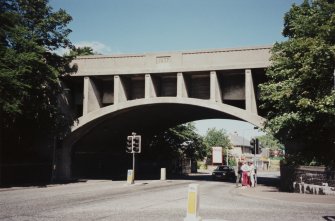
[(223, 173)]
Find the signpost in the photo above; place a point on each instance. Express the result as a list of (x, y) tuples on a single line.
[(217, 155), (256, 150)]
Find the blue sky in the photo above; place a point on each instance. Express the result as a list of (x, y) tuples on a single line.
[(130, 26)]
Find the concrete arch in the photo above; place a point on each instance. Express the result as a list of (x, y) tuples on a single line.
[(94, 118), (221, 107)]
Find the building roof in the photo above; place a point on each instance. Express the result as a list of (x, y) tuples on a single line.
[(239, 141)]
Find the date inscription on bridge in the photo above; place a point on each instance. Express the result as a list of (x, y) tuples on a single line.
[(163, 59)]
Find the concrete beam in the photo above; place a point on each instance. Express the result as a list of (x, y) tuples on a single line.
[(92, 99), (120, 94), (150, 90), (215, 90), (250, 98), (181, 86)]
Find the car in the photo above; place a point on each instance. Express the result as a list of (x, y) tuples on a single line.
[(223, 173)]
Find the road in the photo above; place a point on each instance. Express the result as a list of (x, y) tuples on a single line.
[(159, 201)]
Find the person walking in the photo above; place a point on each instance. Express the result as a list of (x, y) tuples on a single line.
[(252, 174), (239, 173), (245, 177)]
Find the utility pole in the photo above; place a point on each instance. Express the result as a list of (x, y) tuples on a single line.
[(134, 165), (227, 156)]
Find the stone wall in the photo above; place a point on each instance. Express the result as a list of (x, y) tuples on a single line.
[(307, 179)]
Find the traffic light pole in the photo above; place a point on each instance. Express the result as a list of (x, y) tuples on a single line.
[(133, 134), (133, 146), (133, 167), (255, 162)]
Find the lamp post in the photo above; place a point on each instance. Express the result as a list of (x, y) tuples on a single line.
[(227, 155)]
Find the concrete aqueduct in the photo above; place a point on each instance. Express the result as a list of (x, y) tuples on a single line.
[(158, 90)]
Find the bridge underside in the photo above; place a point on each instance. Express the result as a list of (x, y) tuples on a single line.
[(101, 151)]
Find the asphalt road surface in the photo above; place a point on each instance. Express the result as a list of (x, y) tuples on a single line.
[(159, 200)]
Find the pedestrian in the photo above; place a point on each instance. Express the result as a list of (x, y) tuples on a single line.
[(252, 174), (245, 171), (239, 173)]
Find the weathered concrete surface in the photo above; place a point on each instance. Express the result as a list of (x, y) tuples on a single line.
[(169, 62)]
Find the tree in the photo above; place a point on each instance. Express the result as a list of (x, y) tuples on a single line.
[(178, 142), (269, 141), (30, 71), (29, 67), (299, 96), (215, 137), (81, 51)]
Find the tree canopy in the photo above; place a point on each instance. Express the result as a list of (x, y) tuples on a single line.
[(30, 32), (268, 141), (80, 51), (217, 138), (299, 95), (179, 141)]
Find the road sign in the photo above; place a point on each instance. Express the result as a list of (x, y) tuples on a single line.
[(217, 154)]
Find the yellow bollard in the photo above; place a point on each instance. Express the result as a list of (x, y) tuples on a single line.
[(193, 203), (130, 177)]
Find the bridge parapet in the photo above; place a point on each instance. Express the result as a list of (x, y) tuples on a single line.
[(222, 59)]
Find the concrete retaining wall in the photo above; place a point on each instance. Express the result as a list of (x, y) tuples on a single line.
[(307, 179)]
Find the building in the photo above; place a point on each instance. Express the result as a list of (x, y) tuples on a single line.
[(241, 147)]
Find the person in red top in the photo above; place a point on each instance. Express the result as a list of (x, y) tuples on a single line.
[(245, 174)]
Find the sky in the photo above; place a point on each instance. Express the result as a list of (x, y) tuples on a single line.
[(140, 26)]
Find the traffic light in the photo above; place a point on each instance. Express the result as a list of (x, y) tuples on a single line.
[(137, 144), (129, 146), (252, 144), (257, 146)]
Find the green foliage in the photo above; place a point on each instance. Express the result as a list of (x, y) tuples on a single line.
[(232, 161), (299, 96), (217, 138), (177, 142), (269, 141), (81, 51), (29, 68)]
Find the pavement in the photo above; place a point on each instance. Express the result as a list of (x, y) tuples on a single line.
[(268, 192), (268, 189), (151, 200)]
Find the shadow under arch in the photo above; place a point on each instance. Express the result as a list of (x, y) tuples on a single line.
[(163, 112)]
